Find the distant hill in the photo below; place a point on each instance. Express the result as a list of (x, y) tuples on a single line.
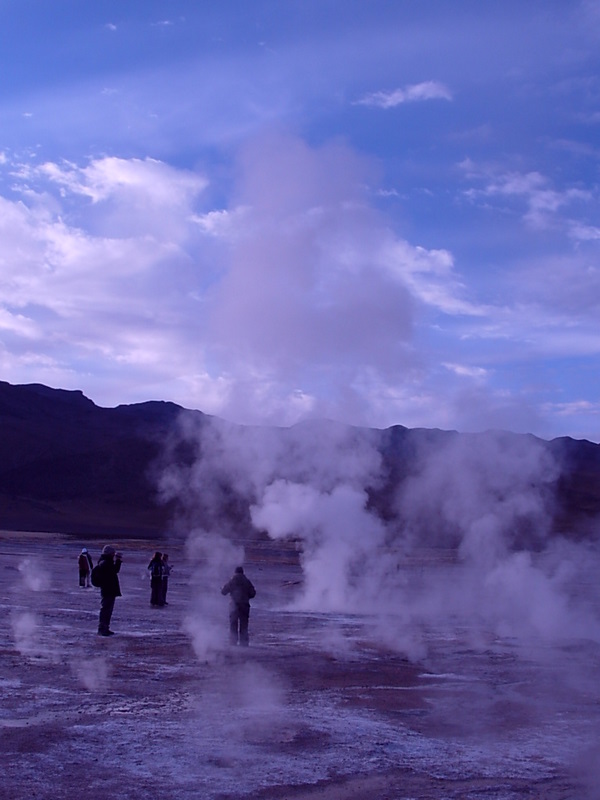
[(67, 465)]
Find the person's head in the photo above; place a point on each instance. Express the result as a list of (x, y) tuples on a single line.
[(108, 551), (239, 570), (165, 556), (158, 555), (84, 549)]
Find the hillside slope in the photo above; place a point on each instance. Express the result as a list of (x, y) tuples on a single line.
[(69, 466)]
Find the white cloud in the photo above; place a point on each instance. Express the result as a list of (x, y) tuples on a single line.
[(109, 290), (281, 290), (427, 90), (221, 223), (575, 408), (538, 328), (18, 324), (584, 233), (106, 177), (295, 299), (542, 201), (431, 277), (469, 371)]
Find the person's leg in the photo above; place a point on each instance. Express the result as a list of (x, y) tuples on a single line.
[(107, 605), (165, 586), (156, 592), (244, 613), (233, 624), (81, 578)]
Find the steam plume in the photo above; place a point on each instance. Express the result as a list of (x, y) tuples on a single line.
[(479, 507)]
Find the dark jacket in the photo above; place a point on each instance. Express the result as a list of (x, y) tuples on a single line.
[(109, 580), (156, 569), (240, 590), (85, 564)]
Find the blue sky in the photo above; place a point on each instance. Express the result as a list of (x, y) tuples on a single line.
[(379, 212)]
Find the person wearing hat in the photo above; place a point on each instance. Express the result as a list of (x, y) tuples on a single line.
[(240, 591), (106, 576), (85, 565)]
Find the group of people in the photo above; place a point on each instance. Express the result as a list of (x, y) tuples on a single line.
[(86, 565), (159, 569), (105, 575)]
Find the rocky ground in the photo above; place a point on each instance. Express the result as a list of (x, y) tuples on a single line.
[(314, 708)]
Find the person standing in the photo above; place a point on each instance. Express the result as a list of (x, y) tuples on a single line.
[(155, 568), (85, 565), (240, 591), (106, 576), (166, 571)]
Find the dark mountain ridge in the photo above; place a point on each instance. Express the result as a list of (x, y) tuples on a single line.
[(69, 466)]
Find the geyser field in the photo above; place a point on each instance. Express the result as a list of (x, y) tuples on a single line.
[(449, 651), (317, 706)]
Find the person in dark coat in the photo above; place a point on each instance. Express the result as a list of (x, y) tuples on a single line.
[(108, 566), (85, 565), (155, 568), (240, 591)]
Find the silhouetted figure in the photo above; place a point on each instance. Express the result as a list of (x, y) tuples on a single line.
[(85, 565), (166, 571), (240, 591), (155, 568), (106, 576)]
